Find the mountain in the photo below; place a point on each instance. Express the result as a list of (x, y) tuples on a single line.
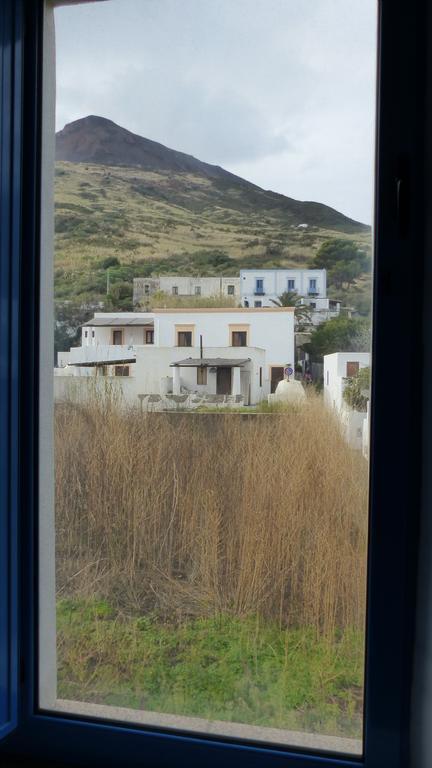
[(124, 200), (96, 140)]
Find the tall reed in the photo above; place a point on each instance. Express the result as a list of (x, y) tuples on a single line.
[(195, 514)]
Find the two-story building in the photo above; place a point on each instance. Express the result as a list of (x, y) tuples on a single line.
[(262, 287), (236, 355), (177, 285)]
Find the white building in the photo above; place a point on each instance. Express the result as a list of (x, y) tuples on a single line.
[(321, 309), (144, 287), (190, 356), (258, 287), (338, 369)]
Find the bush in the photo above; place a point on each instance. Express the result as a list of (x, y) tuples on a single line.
[(111, 261), (355, 389)]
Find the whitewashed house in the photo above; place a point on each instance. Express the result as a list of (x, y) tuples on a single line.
[(338, 369), (183, 357), (176, 285), (262, 287)]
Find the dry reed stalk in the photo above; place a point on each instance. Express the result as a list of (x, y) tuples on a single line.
[(192, 514)]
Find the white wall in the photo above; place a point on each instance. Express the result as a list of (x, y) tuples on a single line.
[(152, 372), (271, 330), (355, 424), (335, 371), (276, 283)]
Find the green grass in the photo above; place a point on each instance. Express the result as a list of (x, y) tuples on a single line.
[(176, 224), (223, 668)]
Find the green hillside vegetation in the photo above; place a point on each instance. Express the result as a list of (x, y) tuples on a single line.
[(145, 223)]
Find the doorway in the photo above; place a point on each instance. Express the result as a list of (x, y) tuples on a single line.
[(223, 381), (277, 374)]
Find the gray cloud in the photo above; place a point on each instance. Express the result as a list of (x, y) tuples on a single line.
[(280, 91)]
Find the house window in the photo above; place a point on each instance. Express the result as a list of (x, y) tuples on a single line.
[(352, 369), (197, 290), (260, 376), (312, 285), (291, 285), (174, 290), (230, 290), (85, 334), (149, 337), (257, 303), (202, 375), (239, 339), (121, 370), (146, 288), (93, 334), (259, 286), (117, 337), (184, 338)]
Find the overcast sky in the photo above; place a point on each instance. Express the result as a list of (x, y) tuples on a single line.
[(280, 92)]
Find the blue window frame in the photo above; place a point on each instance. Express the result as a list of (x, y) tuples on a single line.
[(393, 546), (259, 286), (291, 284)]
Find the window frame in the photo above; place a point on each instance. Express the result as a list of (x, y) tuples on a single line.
[(394, 507)]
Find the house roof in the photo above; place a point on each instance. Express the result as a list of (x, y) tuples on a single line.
[(223, 310), (118, 322), (99, 363), (210, 362)]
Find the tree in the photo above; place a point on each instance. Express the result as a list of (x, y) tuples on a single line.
[(356, 388), (120, 298), (342, 334), (292, 299), (343, 259), (69, 318)]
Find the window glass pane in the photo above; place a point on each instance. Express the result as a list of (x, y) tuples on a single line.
[(210, 503)]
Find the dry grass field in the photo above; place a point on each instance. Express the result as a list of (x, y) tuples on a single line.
[(212, 564), (193, 515)]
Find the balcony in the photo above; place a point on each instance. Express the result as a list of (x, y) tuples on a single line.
[(101, 354), (259, 292)]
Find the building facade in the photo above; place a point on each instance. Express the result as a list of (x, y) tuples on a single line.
[(261, 287), (338, 369), (235, 355), (176, 285)]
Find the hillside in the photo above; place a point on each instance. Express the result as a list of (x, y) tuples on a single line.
[(121, 196)]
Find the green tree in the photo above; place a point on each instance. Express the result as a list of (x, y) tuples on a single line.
[(69, 317), (292, 299), (344, 261), (342, 334), (120, 298), (356, 392)]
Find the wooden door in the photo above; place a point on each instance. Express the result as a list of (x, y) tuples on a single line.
[(277, 374), (223, 381)]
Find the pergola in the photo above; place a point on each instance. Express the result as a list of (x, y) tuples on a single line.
[(210, 362)]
